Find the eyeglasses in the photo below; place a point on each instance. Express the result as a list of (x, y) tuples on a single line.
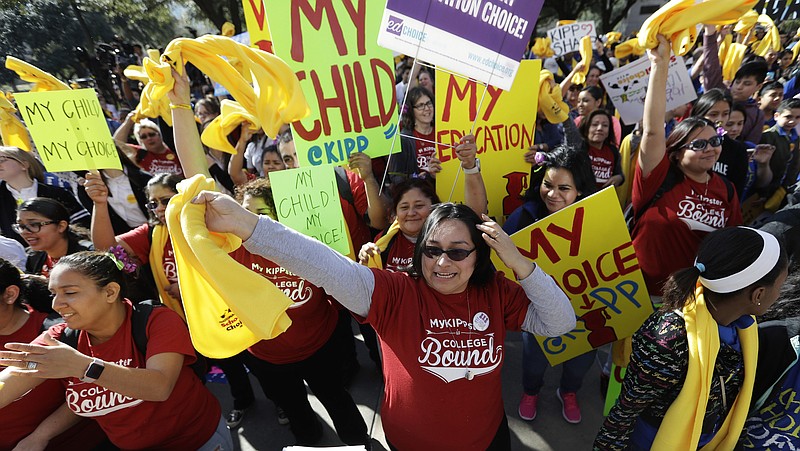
[(153, 204), (423, 106), (454, 254), (147, 136), (33, 227), (701, 144)]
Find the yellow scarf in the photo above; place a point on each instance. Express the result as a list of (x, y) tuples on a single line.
[(586, 56), (542, 47), (228, 29), (746, 22), (683, 422), (550, 101), (612, 37), (628, 48), (160, 237), (149, 107), (375, 260), (231, 116), (228, 306), (275, 97), (771, 40), (12, 130), (733, 60), (677, 20), (42, 81)]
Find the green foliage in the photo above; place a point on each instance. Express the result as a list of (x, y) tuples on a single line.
[(46, 32)]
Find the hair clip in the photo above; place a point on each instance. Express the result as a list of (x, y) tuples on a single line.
[(700, 267), (721, 132), (121, 259)]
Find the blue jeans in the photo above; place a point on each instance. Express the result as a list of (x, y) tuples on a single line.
[(535, 364), (221, 440)]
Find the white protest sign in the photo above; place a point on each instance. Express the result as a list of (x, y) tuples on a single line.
[(567, 38), (627, 86)]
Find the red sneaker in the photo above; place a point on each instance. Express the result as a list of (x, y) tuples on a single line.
[(569, 407), (527, 406)]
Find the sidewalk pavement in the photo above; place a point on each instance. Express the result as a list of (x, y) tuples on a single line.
[(260, 429)]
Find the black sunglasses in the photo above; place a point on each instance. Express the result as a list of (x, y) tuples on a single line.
[(33, 227), (701, 144), (453, 254), (153, 204)]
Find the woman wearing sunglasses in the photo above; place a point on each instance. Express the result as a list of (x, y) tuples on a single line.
[(148, 243), (442, 326), (44, 225), (672, 222)]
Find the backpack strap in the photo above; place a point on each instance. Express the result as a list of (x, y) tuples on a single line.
[(673, 178), (139, 317)]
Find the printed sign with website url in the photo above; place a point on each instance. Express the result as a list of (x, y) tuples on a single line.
[(567, 38), (480, 39), (601, 276), (69, 129), (627, 87)]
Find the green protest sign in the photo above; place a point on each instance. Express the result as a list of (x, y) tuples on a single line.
[(347, 79), (69, 130), (307, 200)]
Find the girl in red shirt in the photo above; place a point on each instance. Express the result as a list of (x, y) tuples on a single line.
[(598, 136)]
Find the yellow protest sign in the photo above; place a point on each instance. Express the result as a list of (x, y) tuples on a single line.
[(255, 16), (69, 130), (506, 123), (587, 250), (307, 200)]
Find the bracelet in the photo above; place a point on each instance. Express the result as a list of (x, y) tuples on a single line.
[(182, 106)]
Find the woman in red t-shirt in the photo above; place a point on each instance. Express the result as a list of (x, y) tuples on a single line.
[(40, 417), (598, 136), (152, 400), (419, 134), (669, 230)]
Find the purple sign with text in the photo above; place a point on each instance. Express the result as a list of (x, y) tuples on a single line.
[(481, 39)]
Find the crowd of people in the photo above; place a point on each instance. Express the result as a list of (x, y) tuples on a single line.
[(90, 285)]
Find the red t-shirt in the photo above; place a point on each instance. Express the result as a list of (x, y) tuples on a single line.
[(602, 164), (667, 235), (354, 214), (185, 420), (313, 317), (400, 254), (425, 149), (139, 241), (24, 415), (155, 163), (429, 340)]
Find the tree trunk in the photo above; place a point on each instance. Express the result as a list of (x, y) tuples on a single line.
[(89, 37)]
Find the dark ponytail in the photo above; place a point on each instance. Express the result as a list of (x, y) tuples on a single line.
[(33, 289), (721, 254)]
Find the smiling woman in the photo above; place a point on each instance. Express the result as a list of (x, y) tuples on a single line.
[(452, 292)]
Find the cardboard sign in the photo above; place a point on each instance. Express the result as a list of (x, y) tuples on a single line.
[(307, 200), (588, 252), (567, 38), (69, 130), (255, 16), (347, 79), (504, 131), (480, 39), (627, 87)]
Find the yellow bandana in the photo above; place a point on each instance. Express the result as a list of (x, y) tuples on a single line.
[(612, 37), (375, 260), (231, 116), (683, 422), (550, 101), (42, 81), (771, 40), (628, 48), (733, 60), (586, 57), (542, 47), (160, 237), (228, 306), (12, 130)]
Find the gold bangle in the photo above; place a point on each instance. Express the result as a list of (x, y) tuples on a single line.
[(182, 106)]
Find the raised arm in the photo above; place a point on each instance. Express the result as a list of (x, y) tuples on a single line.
[(655, 105), (102, 232), (121, 138), (474, 189), (344, 279), (236, 164), (712, 68), (567, 81), (361, 164), (187, 139)]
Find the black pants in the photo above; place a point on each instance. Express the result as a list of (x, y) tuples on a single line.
[(500, 442), (283, 384), (238, 381)]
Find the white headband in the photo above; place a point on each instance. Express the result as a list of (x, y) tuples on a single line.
[(753, 273)]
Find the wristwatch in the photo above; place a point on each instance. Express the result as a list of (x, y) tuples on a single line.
[(94, 370), (475, 170)]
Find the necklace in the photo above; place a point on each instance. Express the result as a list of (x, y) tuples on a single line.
[(468, 375)]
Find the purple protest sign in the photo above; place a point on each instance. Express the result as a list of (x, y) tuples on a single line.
[(480, 39)]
